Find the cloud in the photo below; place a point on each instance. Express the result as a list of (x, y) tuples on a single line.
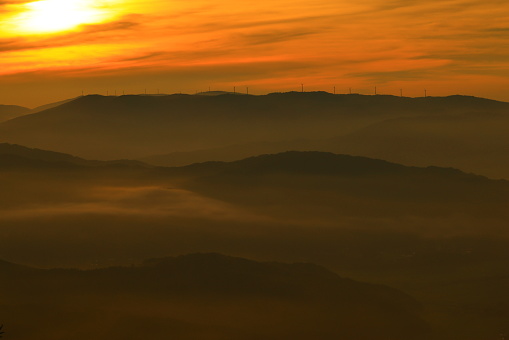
[(384, 77), (497, 29), (271, 37), (14, 2), (287, 42), (88, 34)]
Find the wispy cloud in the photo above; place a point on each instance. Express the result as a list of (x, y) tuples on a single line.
[(397, 42)]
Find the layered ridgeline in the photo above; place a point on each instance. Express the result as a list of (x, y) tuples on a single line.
[(309, 189), (12, 111), (51, 105), (8, 112), (437, 233), (203, 296), (17, 156), (414, 131), (294, 185)]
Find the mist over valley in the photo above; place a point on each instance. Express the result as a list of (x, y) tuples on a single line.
[(403, 200)]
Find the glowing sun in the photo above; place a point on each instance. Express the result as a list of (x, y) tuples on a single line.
[(49, 16)]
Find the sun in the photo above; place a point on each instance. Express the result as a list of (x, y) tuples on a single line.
[(50, 16)]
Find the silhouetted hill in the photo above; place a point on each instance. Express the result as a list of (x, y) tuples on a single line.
[(8, 269), (212, 273), (307, 184), (12, 155), (38, 154), (232, 275), (50, 105), (473, 142), (232, 152), (12, 111), (438, 233), (135, 126), (310, 162), (322, 163), (218, 93), (315, 301), (15, 162)]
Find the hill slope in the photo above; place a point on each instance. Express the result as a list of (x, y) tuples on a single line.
[(323, 184), (12, 155), (473, 142), (135, 126), (204, 296), (438, 233), (12, 111), (51, 105)]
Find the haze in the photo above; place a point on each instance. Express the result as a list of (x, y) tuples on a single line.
[(220, 170)]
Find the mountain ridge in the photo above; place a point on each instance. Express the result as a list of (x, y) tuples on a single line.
[(8, 112), (13, 154), (137, 126), (298, 162), (212, 289)]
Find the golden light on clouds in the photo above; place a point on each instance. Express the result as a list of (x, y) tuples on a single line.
[(51, 16), (178, 45)]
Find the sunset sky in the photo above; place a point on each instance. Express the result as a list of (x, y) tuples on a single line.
[(53, 49)]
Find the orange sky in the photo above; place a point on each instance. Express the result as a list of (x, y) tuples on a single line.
[(54, 49)]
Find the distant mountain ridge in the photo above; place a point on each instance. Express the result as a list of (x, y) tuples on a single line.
[(135, 126)]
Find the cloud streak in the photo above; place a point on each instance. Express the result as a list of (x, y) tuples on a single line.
[(395, 43)]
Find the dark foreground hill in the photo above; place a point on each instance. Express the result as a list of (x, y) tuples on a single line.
[(203, 296), (99, 127)]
